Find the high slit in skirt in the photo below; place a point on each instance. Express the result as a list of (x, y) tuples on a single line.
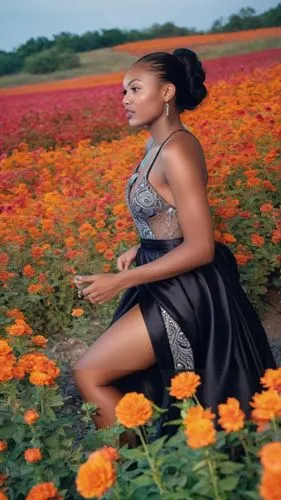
[(200, 320)]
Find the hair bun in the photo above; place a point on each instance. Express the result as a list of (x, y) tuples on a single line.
[(192, 90)]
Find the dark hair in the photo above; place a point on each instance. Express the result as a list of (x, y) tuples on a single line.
[(184, 70)]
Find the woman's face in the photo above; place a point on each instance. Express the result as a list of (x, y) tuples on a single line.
[(143, 96)]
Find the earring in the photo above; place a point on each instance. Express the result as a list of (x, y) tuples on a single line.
[(167, 106)]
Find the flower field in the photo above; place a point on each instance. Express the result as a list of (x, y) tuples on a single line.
[(65, 159), (167, 44)]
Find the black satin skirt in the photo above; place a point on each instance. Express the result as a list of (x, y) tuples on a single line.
[(230, 347)]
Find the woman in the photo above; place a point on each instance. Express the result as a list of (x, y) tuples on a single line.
[(183, 307)]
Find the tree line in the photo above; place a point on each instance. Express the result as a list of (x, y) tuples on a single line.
[(42, 55)]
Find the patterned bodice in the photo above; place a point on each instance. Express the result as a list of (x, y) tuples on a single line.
[(154, 217)]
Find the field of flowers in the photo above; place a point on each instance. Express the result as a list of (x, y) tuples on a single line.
[(65, 159), (193, 41)]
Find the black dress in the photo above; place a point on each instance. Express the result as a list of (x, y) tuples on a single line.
[(199, 320)]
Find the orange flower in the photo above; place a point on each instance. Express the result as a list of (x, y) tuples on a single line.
[(15, 313), (270, 486), (39, 340), (32, 455), (3, 496), (272, 379), (77, 312), (184, 385), (267, 405), (109, 255), (6, 367), (270, 455), (19, 328), (266, 207), (231, 416), (31, 416), (109, 453), (28, 360), (18, 372), (28, 271), (133, 409), (5, 348), (95, 476), (3, 445), (257, 239), (197, 412), (39, 378), (43, 491), (200, 433)]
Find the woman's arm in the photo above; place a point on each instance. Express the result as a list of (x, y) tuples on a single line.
[(183, 162)]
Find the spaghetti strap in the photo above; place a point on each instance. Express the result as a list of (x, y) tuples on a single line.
[(161, 145)]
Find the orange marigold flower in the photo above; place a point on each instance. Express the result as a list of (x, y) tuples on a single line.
[(3, 496), (272, 379), (32, 455), (31, 416), (5, 348), (257, 239), (15, 313), (184, 385), (3, 445), (108, 451), (266, 207), (39, 378), (43, 491), (232, 418), (29, 271), (200, 433), (18, 372), (6, 367), (197, 412), (35, 288), (109, 255), (270, 486), (76, 313), (39, 340), (267, 405), (19, 328), (28, 360), (270, 455), (133, 409), (96, 476)]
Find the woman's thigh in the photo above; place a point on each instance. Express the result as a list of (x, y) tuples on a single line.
[(125, 347)]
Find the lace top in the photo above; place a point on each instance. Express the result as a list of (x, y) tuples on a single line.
[(154, 217)]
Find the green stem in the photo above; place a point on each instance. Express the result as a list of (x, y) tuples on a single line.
[(213, 475), (247, 456), (197, 400), (151, 462)]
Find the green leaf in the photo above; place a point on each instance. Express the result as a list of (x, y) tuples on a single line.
[(229, 467), (229, 483)]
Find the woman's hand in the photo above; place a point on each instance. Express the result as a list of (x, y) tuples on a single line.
[(101, 287), (127, 258)]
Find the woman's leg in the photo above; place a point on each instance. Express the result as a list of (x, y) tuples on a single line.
[(125, 347)]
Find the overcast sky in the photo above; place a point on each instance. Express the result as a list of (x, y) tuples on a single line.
[(24, 19)]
